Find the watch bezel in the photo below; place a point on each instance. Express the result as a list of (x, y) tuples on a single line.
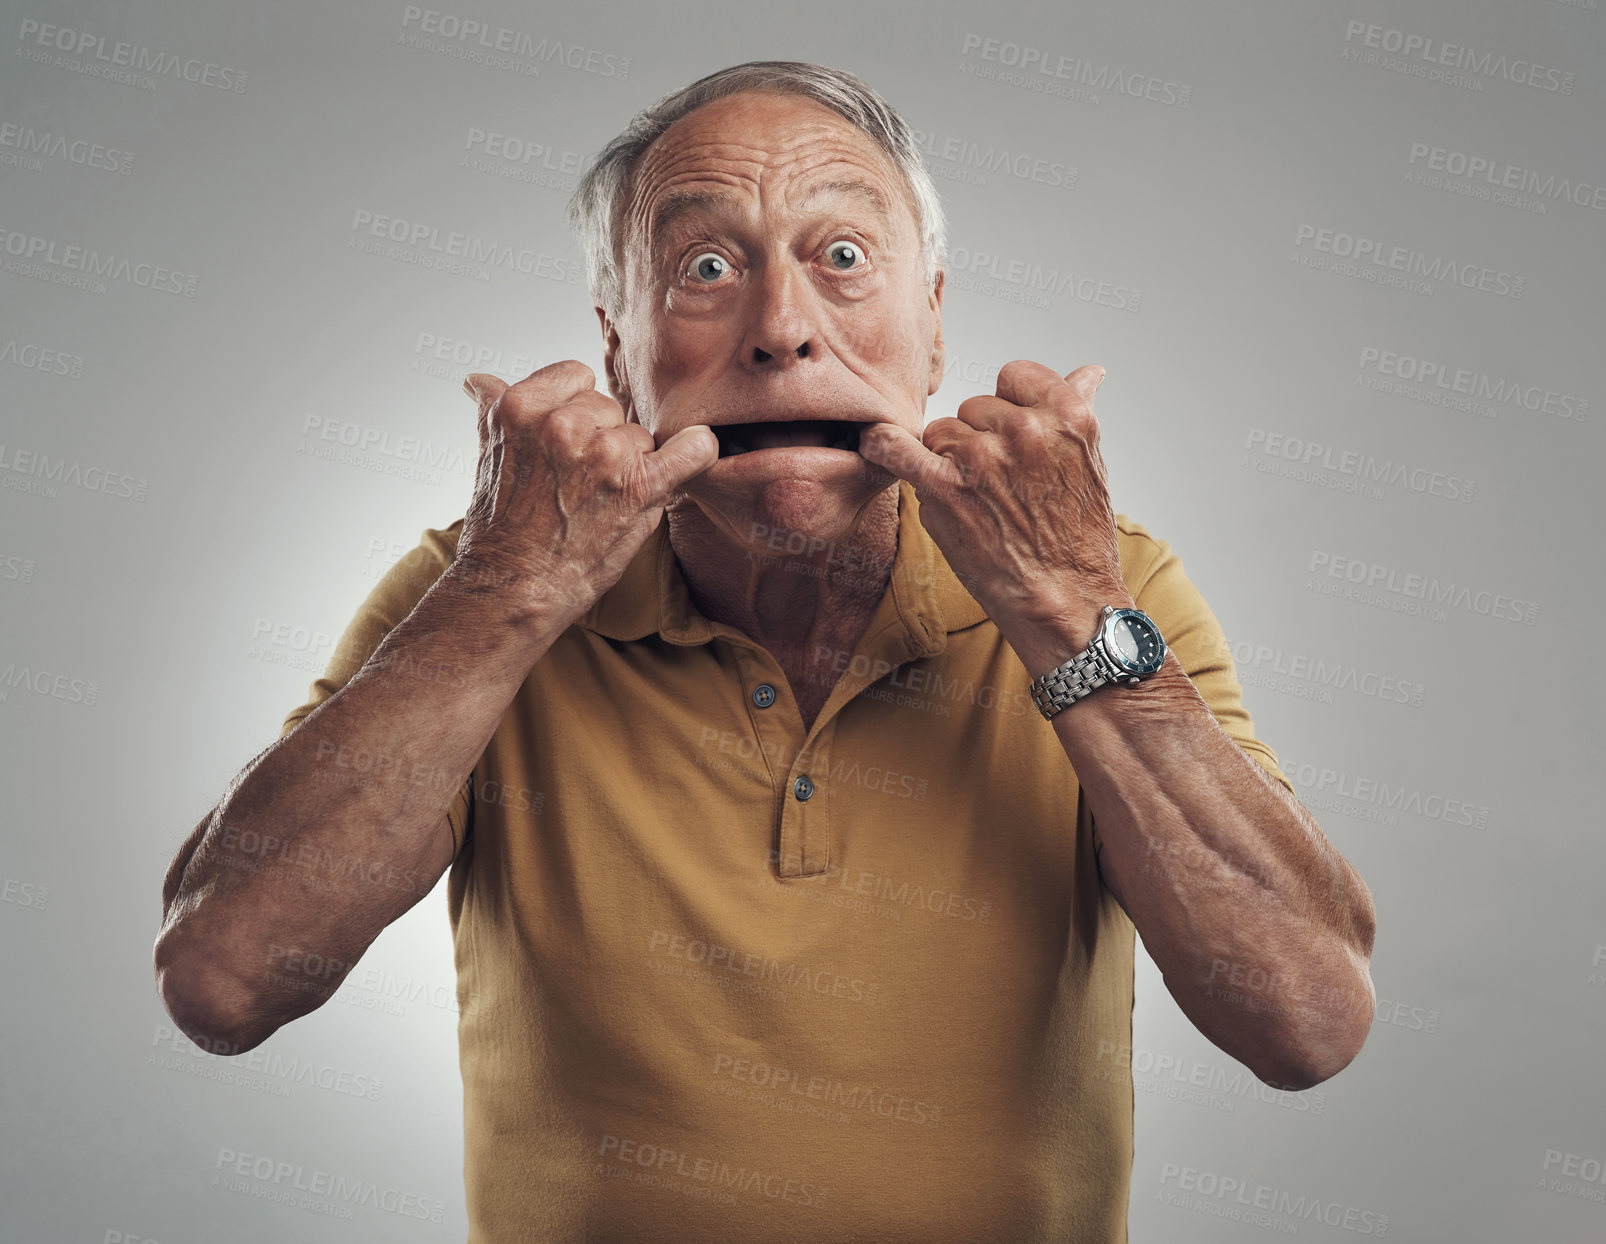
[(1125, 668)]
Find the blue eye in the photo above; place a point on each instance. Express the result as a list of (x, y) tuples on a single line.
[(850, 250), (709, 266)]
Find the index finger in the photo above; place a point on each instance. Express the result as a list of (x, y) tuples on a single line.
[(896, 449), (1026, 383), (547, 386)]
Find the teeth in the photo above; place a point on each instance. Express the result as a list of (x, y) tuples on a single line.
[(734, 450)]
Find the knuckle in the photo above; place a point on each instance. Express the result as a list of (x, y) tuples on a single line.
[(614, 449), (598, 403), (1074, 408), (1016, 366), (567, 371), (566, 426)]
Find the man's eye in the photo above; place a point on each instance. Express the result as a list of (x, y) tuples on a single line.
[(709, 267), (845, 256)]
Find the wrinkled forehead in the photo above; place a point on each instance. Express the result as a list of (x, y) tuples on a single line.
[(720, 159)]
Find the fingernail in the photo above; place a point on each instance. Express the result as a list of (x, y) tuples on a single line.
[(1102, 379)]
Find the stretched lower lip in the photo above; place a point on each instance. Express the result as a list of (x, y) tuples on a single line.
[(791, 457)]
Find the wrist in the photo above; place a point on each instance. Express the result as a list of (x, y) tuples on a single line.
[(509, 602), (1054, 635)]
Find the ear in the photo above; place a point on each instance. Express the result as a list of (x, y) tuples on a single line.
[(613, 363), (938, 353)]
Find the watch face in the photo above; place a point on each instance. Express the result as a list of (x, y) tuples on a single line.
[(1134, 642)]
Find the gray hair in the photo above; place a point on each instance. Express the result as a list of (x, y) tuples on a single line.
[(599, 201)]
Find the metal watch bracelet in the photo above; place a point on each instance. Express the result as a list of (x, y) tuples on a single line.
[(1126, 648), (1061, 687)]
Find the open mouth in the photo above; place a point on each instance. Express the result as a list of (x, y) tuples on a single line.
[(741, 438)]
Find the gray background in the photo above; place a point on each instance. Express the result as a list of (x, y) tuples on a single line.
[(155, 630)]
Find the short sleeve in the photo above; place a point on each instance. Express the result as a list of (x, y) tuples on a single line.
[(1154, 576), (393, 598)]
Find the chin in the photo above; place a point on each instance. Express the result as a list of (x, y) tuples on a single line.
[(793, 513)]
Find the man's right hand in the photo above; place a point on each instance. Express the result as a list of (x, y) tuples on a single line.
[(567, 490)]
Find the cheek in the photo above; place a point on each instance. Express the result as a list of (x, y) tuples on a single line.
[(901, 348), (680, 350)]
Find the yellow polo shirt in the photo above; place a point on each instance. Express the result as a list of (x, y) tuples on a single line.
[(705, 999)]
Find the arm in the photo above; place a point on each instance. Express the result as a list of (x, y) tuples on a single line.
[(306, 856), (1261, 930)]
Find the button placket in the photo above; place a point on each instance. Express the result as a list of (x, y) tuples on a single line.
[(778, 730), (804, 845)]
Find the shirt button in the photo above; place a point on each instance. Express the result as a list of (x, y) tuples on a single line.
[(763, 695), (803, 788)]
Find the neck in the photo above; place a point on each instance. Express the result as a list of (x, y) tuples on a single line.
[(791, 604)]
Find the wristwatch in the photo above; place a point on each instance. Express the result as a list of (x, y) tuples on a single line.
[(1127, 648)]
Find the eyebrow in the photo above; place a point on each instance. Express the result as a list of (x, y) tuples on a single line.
[(677, 204)]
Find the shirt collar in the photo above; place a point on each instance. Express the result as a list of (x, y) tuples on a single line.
[(925, 598)]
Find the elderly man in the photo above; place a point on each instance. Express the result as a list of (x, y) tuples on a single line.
[(780, 910)]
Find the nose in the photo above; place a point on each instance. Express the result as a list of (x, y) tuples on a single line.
[(783, 319)]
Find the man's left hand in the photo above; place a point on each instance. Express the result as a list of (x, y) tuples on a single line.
[(1014, 493)]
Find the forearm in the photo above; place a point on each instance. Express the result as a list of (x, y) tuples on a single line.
[(339, 827), (1259, 926)]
